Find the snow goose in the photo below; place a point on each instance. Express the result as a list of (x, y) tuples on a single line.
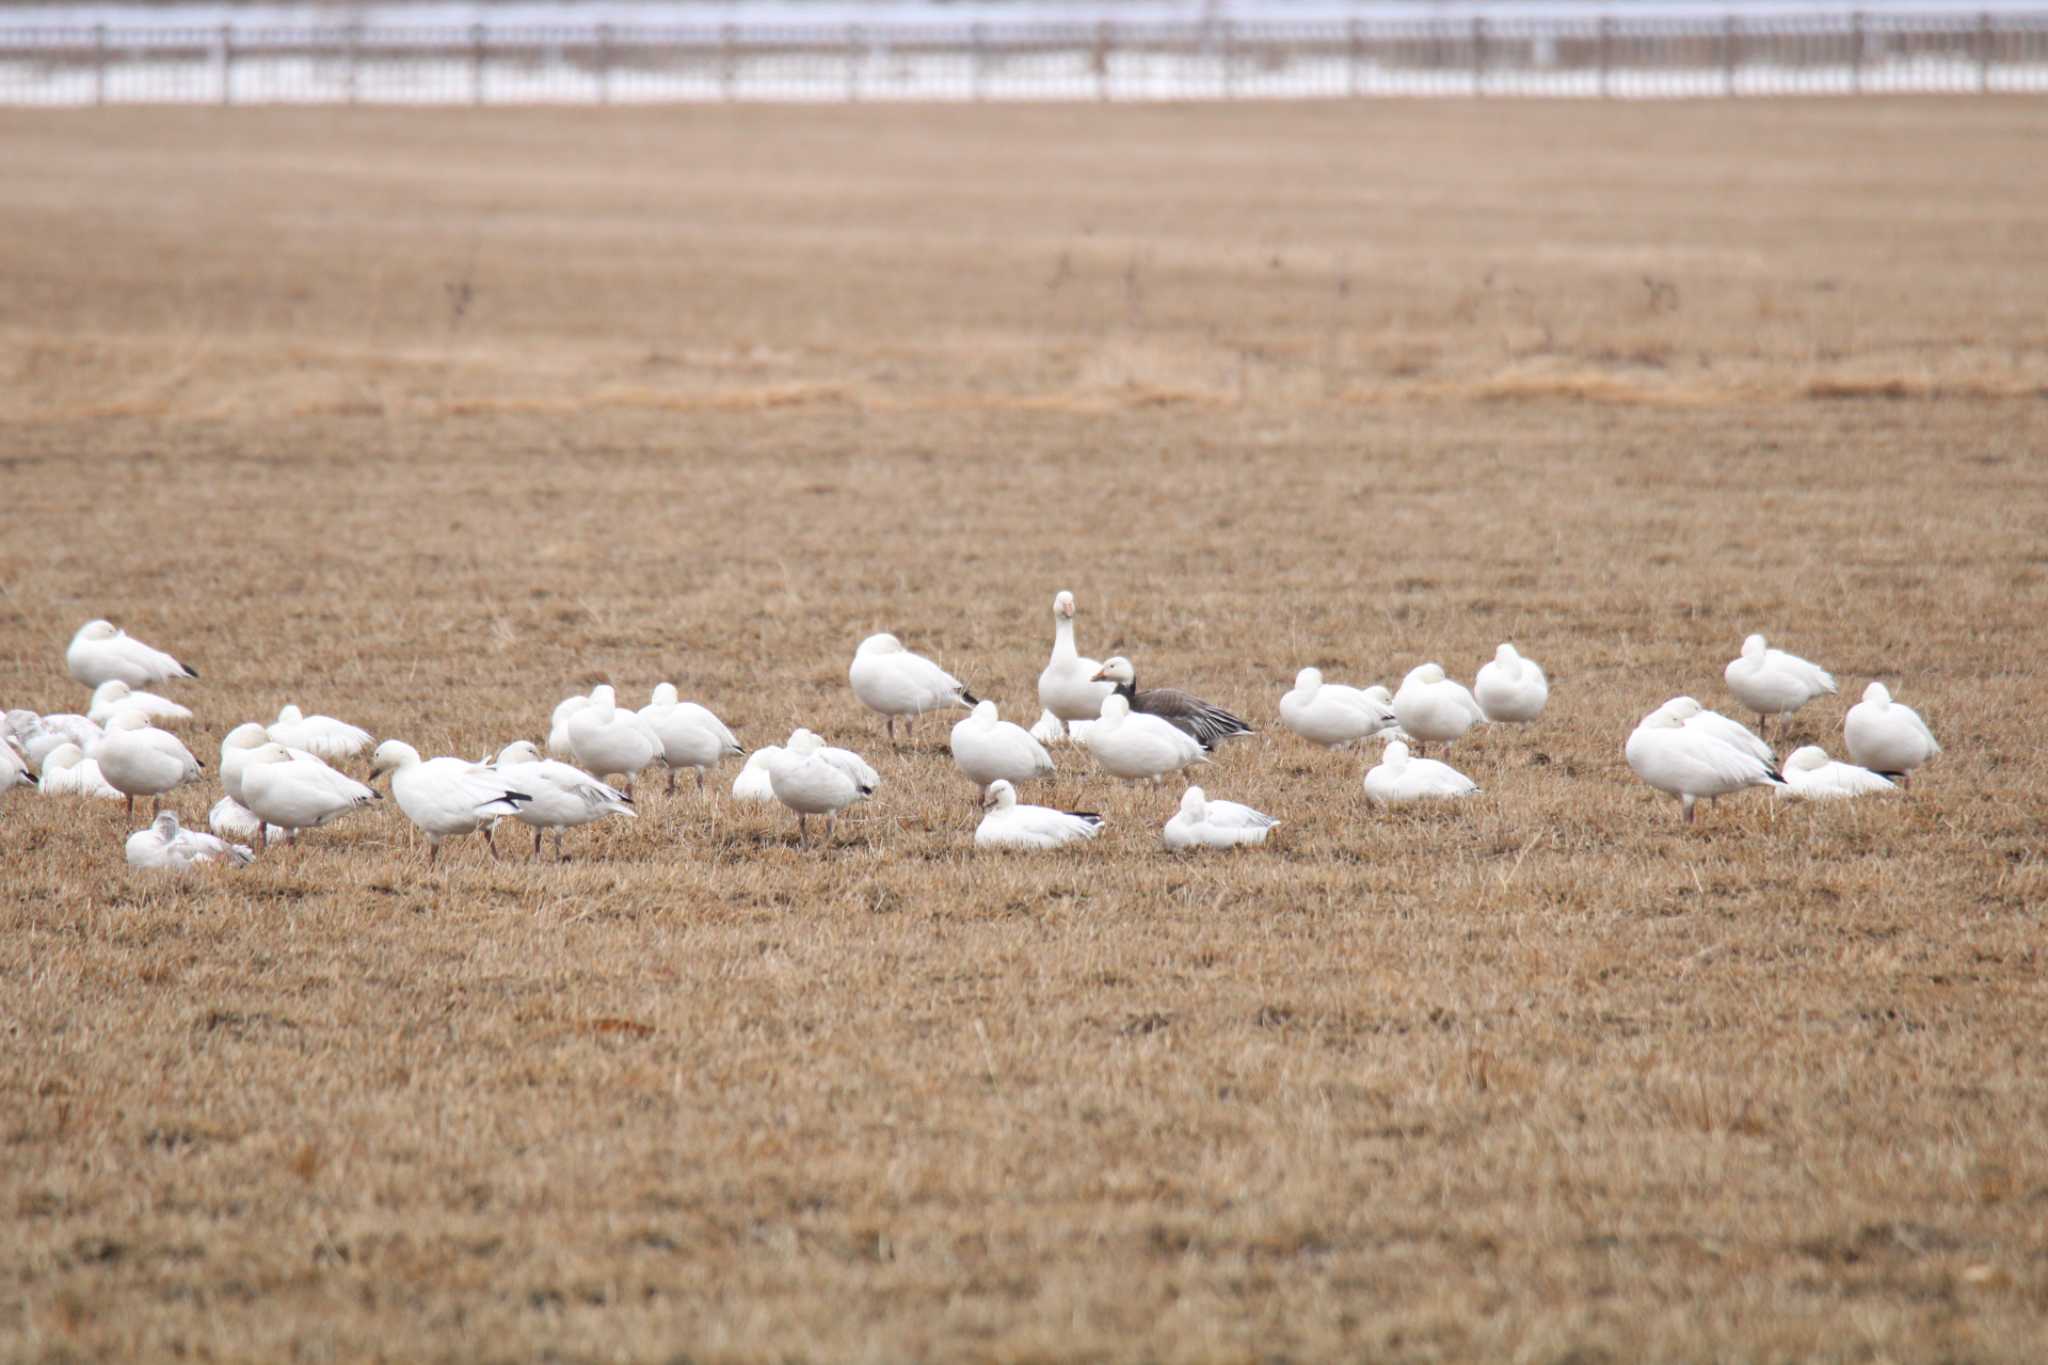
[(1048, 728), (13, 766), (230, 819), (890, 679), (324, 737), (1729, 731), (66, 771), (558, 725), (753, 783), (295, 790), (1433, 708), (1189, 714), (1398, 779), (1202, 823), (1771, 682), (1010, 825), (1067, 687), (986, 749), (137, 759), (100, 653), (1511, 688), (42, 735), (562, 796), (607, 740), (813, 779), (445, 796), (1132, 746), (235, 748), (164, 845), (1331, 714), (1687, 762), (691, 737), (1887, 735), (1812, 776), (113, 696)]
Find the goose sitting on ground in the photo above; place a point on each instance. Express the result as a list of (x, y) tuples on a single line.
[(607, 739), (113, 696), (324, 737), (1138, 747), (1398, 779), (1067, 687), (1203, 823), (986, 749), (1771, 682), (691, 737), (164, 845), (1203, 721), (100, 653), (1433, 708), (1332, 714), (1511, 688), (1812, 776), (230, 819), (812, 778), (895, 682), (294, 790), (41, 736), (1888, 736), (562, 796), (1010, 825), (1688, 762), (137, 759), (445, 796), (753, 783), (66, 771)]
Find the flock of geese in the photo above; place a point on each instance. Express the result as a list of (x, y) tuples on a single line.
[(287, 776)]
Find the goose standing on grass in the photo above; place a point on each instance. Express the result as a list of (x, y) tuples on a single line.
[(1812, 776), (890, 679), (137, 759), (753, 783), (562, 796), (164, 845), (1398, 779), (1771, 682), (812, 778), (986, 749), (1067, 687), (1687, 762), (235, 748), (1435, 709), (1138, 747), (1202, 823), (445, 796), (1010, 825), (1332, 714), (1511, 688), (100, 653), (324, 737), (691, 737), (294, 790), (230, 819), (1887, 735), (113, 696), (66, 771), (1728, 730), (608, 740), (1204, 721)]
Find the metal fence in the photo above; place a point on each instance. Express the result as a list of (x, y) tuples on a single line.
[(1623, 56)]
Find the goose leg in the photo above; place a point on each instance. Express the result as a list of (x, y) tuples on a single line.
[(1687, 803), (671, 781), (433, 851), (890, 721), (702, 790), (802, 831), (489, 842), (536, 845), (131, 805)]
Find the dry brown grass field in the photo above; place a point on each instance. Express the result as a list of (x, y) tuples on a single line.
[(429, 418)]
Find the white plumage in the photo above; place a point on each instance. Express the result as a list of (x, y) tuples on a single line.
[(1724, 728), (1203, 823), (230, 819), (753, 783), (690, 735), (1685, 761), (1331, 714), (1398, 779), (1812, 776), (164, 845), (1511, 688), (113, 696), (558, 725), (1066, 686), (66, 771), (1771, 682), (1135, 746), (235, 748), (324, 737), (42, 735), (607, 739), (100, 653), (1048, 728), (295, 790), (446, 796), (812, 778), (987, 749), (1433, 708), (1010, 825), (895, 682), (13, 766), (137, 759), (1887, 735), (563, 796)]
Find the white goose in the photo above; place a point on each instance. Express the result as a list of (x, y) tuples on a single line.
[(324, 737), (13, 766), (1433, 708), (607, 740), (1067, 688), (1724, 728), (558, 725), (753, 783), (1047, 729), (1677, 758), (563, 796), (1010, 825), (813, 779), (1332, 714), (1398, 779), (895, 682), (1136, 747), (445, 796), (294, 790), (40, 736), (1771, 682), (691, 737), (1887, 735), (1203, 823), (66, 771), (1511, 688), (1812, 776), (100, 653), (230, 819), (113, 696), (137, 759), (164, 845), (235, 748), (986, 749)]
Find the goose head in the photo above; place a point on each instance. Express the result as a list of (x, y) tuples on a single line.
[(517, 752), (984, 713), (1114, 708), (1808, 758), (288, 714), (247, 735), (1194, 803), (877, 645), (63, 758), (999, 796), (165, 826), (272, 752), (1680, 709), (1506, 654), (1395, 755), (112, 690), (1116, 670), (1378, 693), (802, 741), (1063, 607), (1753, 647), (1308, 680), (94, 631), (391, 755), (664, 694), (128, 720), (1878, 695)]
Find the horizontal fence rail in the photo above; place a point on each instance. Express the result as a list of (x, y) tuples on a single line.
[(1624, 56)]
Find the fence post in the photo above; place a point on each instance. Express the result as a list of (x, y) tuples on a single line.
[(604, 63), (1856, 52), (1354, 42), (476, 63), (1731, 53), (1984, 53), (728, 63), (1606, 56), (853, 63), (227, 63), (1478, 56), (1103, 38), (99, 63)]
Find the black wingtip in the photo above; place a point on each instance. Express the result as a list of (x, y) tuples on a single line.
[(969, 697), (1776, 776), (1891, 777), (190, 671)]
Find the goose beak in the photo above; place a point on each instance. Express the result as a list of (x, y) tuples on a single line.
[(1099, 676)]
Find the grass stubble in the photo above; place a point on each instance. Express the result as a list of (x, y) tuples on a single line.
[(426, 419)]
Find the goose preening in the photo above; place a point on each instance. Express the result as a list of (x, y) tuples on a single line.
[(113, 696), (164, 845), (1067, 687), (1008, 824), (753, 783), (324, 737), (294, 790), (1888, 736), (66, 771), (1203, 823), (100, 653), (986, 749), (562, 796), (1398, 779), (1201, 720), (137, 759), (811, 778), (1136, 747), (1511, 688), (1332, 714), (1771, 682), (607, 739), (1433, 708), (1812, 776), (691, 737), (230, 819), (1048, 728), (1683, 760), (445, 796), (890, 679)]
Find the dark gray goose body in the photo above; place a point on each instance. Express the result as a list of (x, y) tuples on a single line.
[(1206, 722)]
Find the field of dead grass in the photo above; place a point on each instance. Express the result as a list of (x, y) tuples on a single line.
[(427, 419)]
